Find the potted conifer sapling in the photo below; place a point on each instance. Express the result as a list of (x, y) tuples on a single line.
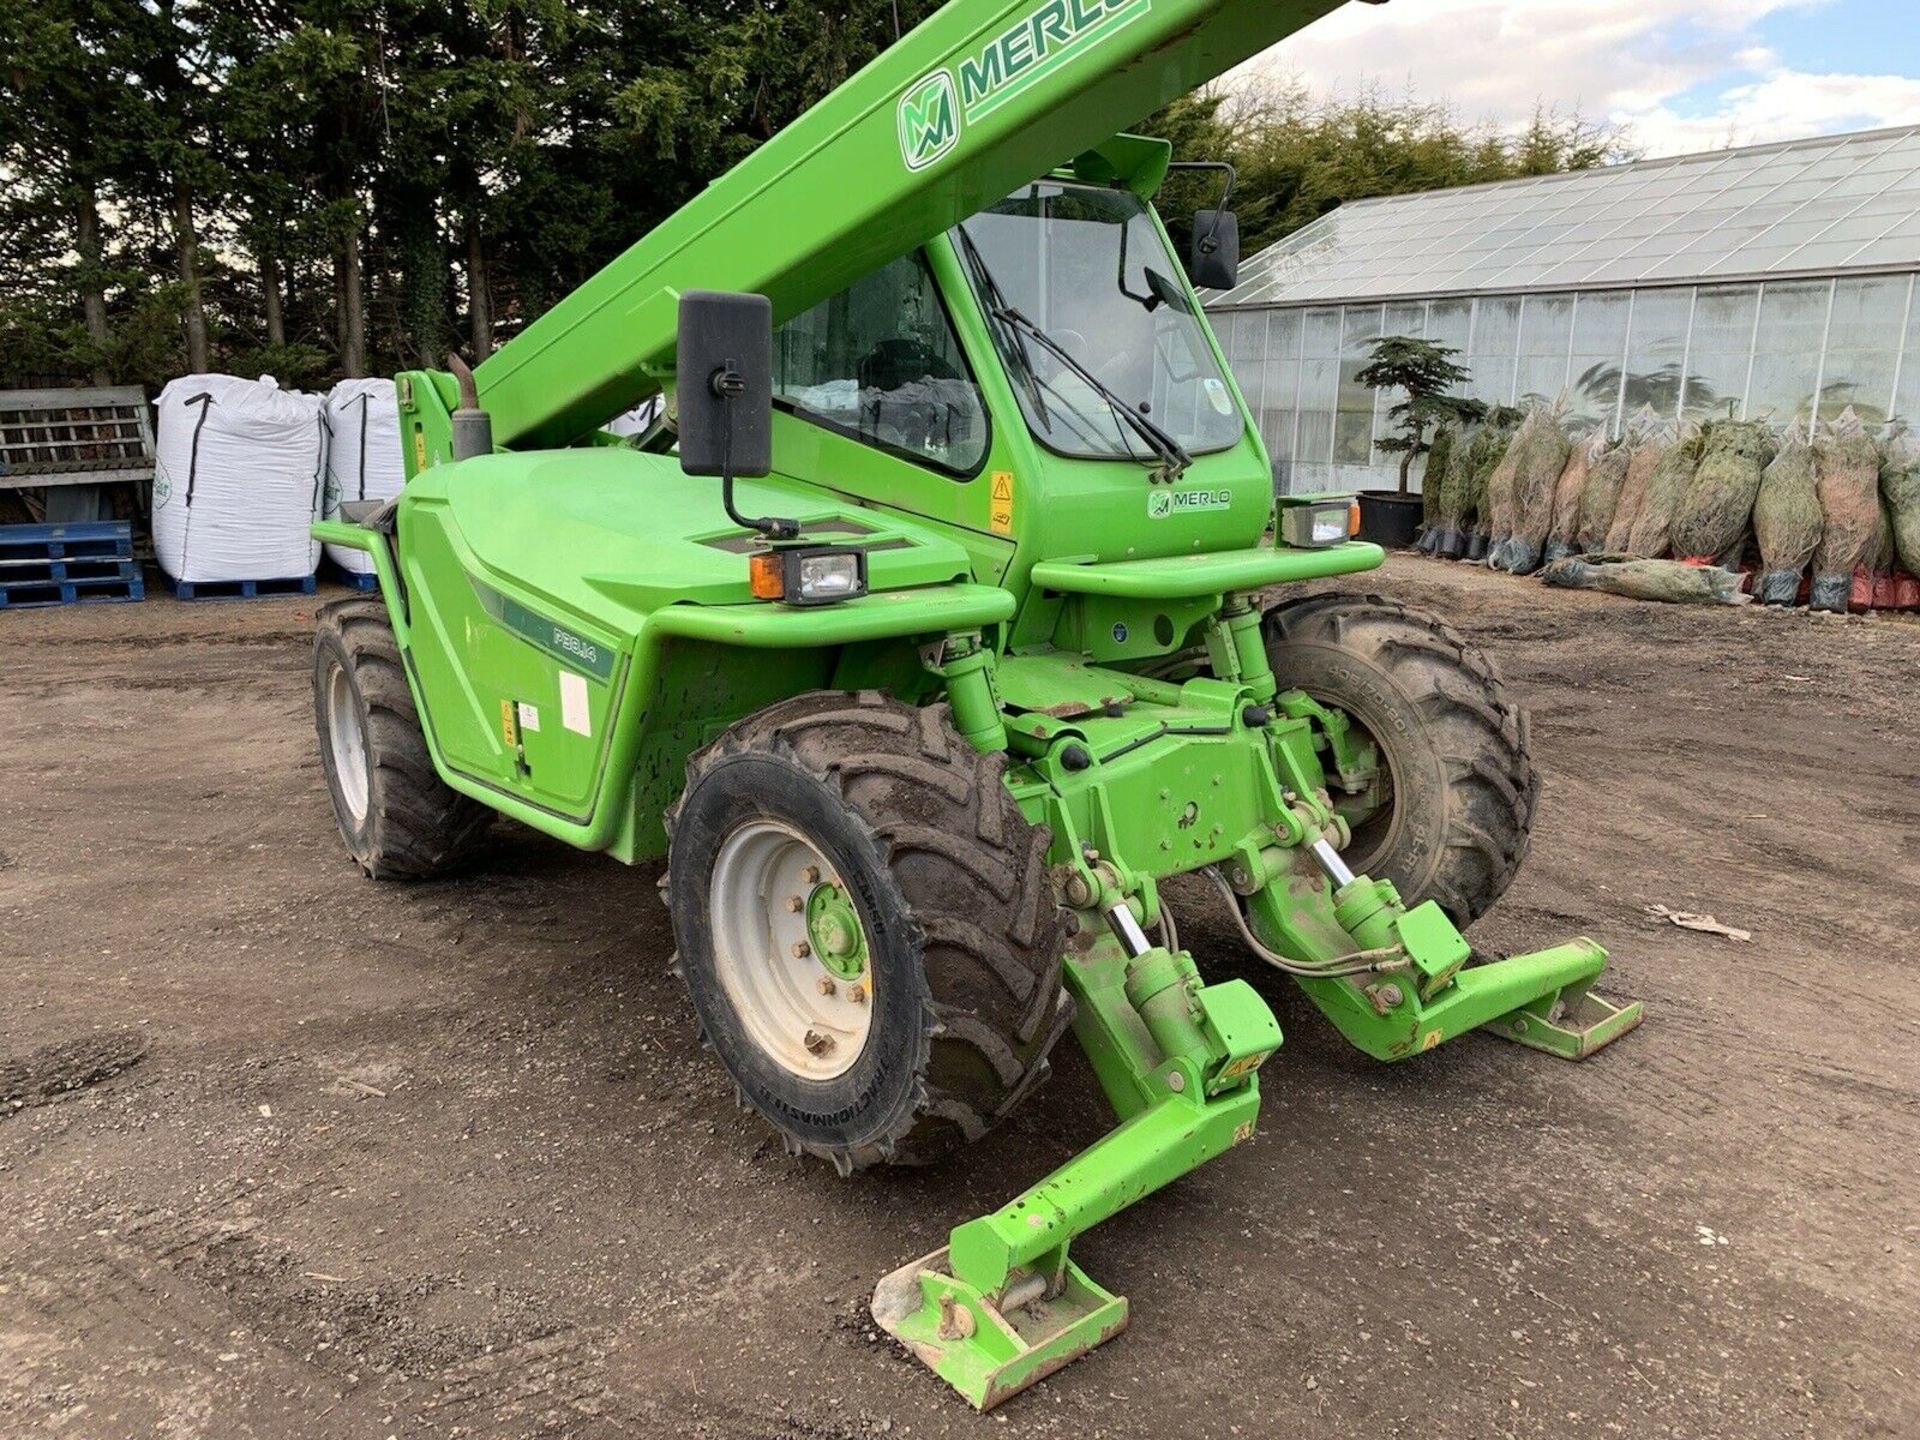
[(1424, 371)]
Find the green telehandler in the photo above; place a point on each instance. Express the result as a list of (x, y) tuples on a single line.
[(959, 660)]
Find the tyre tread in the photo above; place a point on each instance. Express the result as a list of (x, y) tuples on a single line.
[(1494, 789), (997, 1006)]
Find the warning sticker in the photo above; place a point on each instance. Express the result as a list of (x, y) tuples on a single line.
[(573, 703), (529, 716), (1000, 503), (508, 734)]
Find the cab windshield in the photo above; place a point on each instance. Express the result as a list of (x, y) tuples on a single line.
[(1089, 268)]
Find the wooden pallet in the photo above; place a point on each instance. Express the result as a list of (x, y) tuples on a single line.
[(26, 572), (75, 540), (32, 594), (352, 579), (239, 589)]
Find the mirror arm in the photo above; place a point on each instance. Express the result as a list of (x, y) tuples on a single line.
[(1208, 244), (728, 384)]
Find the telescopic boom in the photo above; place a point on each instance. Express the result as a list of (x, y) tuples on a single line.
[(978, 99)]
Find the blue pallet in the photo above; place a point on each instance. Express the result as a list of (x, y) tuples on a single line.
[(239, 589), (41, 572), (78, 540), (352, 579), (33, 594)]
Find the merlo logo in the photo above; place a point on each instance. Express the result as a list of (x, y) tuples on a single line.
[(929, 120)]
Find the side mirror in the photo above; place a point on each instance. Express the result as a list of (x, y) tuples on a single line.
[(1214, 263), (725, 378), (725, 369)]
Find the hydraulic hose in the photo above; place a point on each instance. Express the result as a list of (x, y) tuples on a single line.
[(1359, 962)]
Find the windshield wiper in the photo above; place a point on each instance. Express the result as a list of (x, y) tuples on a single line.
[(1172, 455), (996, 302)]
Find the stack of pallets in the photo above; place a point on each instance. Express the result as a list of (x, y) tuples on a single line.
[(67, 564)]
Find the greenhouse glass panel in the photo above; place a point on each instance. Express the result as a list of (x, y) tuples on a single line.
[(1496, 333), (1656, 350), (1248, 355), (1786, 353), (1353, 428), (1721, 352), (1281, 398), (1450, 323), (1546, 331), (1907, 403), (1863, 345), (1599, 350)]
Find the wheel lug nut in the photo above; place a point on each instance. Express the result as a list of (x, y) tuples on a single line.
[(817, 1043), (827, 986), (801, 950), (795, 904), (811, 874), (857, 994)]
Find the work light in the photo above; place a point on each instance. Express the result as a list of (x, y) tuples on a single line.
[(819, 575), (1317, 524)]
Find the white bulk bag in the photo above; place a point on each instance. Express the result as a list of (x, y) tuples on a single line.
[(363, 455), (637, 420), (236, 480)]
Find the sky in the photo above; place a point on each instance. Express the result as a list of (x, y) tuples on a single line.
[(1676, 75)]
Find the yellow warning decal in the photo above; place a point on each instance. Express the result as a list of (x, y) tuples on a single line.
[(419, 448), (1000, 503), (509, 727)]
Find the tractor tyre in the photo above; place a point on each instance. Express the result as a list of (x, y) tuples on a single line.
[(399, 819), (1455, 801), (866, 927)]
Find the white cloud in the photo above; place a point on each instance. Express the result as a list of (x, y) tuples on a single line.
[(1633, 62), (1784, 105)]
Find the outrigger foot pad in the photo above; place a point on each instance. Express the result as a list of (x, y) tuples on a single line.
[(1572, 1022), (985, 1353)]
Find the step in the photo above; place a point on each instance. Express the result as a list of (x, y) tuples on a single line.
[(239, 589)]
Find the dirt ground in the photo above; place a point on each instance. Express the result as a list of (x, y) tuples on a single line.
[(290, 1153)]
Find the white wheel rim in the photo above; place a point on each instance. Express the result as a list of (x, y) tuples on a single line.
[(809, 1018), (347, 738)]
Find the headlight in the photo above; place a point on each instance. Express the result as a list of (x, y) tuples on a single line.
[(831, 575), (1317, 524), (817, 576)]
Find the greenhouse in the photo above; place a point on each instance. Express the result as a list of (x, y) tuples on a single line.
[(1762, 282)]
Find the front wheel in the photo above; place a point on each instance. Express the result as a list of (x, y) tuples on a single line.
[(399, 819), (865, 927), (1449, 814)]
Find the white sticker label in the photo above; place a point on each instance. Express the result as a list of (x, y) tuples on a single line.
[(573, 703), (1218, 396), (529, 716)]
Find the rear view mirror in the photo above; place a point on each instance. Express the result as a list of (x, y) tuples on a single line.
[(725, 387), (725, 369), (1214, 263)]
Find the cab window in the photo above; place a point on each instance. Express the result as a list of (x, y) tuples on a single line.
[(879, 362)]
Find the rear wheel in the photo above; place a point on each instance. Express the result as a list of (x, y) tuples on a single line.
[(1449, 814), (865, 927), (399, 819)]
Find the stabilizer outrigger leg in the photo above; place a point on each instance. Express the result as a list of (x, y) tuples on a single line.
[(1002, 1305), (1543, 999)]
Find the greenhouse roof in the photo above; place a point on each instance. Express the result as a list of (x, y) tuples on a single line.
[(1807, 207)]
